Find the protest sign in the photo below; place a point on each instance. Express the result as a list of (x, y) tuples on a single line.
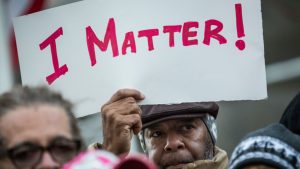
[(172, 50)]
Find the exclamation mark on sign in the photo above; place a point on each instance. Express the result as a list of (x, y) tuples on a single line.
[(240, 44)]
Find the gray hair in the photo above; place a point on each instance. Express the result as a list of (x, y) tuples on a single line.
[(29, 96)]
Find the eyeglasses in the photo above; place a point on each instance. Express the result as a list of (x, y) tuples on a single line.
[(28, 154)]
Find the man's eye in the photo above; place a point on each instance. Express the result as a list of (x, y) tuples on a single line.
[(25, 153), (156, 134), (187, 127)]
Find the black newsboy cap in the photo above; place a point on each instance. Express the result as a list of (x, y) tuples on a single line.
[(152, 114)]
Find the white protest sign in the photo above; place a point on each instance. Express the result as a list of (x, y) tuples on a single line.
[(171, 50)]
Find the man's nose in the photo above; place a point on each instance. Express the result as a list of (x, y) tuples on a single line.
[(173, 143), (47, 162)]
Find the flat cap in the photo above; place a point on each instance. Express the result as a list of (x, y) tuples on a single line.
[(152, 114)]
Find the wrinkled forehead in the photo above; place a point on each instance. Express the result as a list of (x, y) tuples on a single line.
[(173, 123), (34, 123)]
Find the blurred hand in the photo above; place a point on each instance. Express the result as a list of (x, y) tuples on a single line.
[(121, 118)]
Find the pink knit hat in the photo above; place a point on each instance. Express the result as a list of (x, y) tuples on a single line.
[(105, 160)]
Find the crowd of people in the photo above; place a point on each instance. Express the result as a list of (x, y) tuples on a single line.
[(38, 130)]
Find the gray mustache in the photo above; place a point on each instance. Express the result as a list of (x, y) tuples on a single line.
[(175, 158)]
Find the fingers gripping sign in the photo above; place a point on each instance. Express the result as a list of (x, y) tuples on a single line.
[(121, 118)]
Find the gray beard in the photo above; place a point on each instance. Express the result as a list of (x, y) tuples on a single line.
[(208, 153)]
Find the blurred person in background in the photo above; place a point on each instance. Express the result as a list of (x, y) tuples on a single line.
[(37, 129), (101, 159), (272, 147)]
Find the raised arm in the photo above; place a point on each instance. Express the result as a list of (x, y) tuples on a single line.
[(121, 118)]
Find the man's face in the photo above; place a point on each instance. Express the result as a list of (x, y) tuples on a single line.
[(172, 144), (34, 125)]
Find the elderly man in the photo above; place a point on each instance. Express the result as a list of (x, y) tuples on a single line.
[(37, 129), (173, 136)]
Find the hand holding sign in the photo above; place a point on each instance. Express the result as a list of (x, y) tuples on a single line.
[(121, 117)]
